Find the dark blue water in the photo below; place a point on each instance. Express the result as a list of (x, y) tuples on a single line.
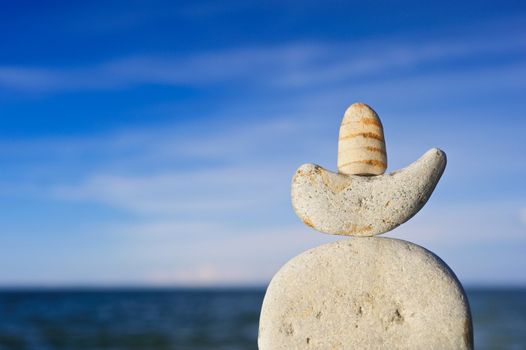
[(193, 319)]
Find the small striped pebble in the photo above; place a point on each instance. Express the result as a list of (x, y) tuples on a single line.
[(361, 145)]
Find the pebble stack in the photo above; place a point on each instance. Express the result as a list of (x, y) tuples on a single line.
[(365, 292)]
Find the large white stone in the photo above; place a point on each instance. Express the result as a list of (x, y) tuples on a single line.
[(365, 293), (364, 205)]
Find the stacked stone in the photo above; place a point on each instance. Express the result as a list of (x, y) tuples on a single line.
[(365, 292)]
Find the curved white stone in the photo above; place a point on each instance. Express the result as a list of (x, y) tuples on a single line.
[(365, 293), (364, 205)]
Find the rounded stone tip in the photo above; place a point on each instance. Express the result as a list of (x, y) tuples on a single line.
[(361, 143), (357, 108)]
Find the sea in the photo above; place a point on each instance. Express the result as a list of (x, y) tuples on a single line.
[(194, 319)]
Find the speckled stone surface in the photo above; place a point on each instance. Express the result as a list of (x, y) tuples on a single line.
[(365, 293), (364, 205)]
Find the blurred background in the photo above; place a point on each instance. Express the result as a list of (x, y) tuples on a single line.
[(147, 147)]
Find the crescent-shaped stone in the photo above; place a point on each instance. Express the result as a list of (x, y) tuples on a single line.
[(354, 205)]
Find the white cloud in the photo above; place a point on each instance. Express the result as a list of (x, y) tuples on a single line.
[(446, 224), (215, 254), (473, 238), (286, 65), (210, 203), (236, 170), (202, 191)]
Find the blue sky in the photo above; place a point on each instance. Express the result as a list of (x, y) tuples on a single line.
[(151, 142)]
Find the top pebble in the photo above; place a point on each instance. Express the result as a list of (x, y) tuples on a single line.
[(361, 144)]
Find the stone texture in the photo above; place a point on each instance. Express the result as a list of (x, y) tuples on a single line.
[(365, 293), (361, 143), (364, 205)]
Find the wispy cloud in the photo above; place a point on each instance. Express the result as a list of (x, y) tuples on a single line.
[(209, 202), (179, 192), (221, 220), (285, 65)]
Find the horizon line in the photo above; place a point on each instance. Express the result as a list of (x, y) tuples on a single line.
[(189, 287)]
